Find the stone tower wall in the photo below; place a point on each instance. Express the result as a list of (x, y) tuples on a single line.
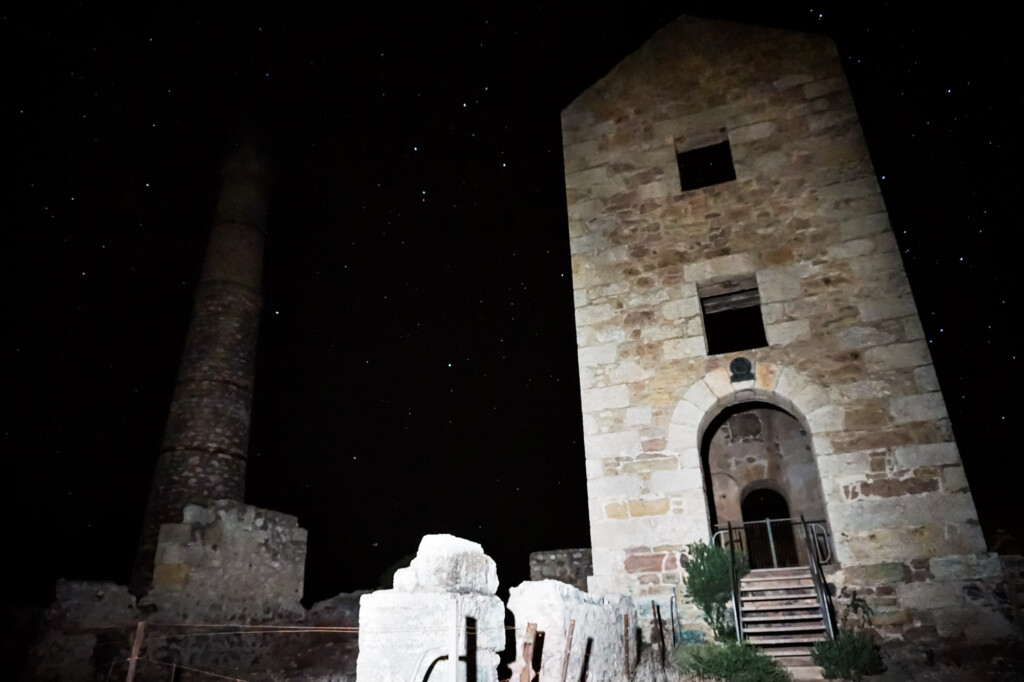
[(846, 354)]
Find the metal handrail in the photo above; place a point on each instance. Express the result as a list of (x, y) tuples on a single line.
[(818, 578), (818, 538), (815, 536)]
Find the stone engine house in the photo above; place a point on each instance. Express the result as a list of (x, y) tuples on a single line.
[(749, 350), (748, 343)]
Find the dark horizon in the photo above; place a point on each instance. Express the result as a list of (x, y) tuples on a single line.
[(416, 367)]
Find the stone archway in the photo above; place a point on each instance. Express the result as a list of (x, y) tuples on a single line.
[(775, 386)]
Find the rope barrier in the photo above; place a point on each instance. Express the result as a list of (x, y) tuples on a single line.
[(195, 670), (242, 632), (290, 629)]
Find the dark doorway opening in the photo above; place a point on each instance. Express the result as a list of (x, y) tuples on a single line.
[(770, 544)]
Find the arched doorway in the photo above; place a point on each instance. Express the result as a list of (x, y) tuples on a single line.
[(770, 540), (759, 463)]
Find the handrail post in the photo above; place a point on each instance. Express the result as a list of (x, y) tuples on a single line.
[(771, 542), (737, 617), (824, 556)]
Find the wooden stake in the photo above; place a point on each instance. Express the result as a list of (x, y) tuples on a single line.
[(140, 629), (531, 636), (568, 649)]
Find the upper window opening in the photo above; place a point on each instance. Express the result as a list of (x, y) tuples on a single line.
[(705, 166), (732, 315)]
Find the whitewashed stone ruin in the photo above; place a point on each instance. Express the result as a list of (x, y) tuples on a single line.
[(599, 641), (407, 631)]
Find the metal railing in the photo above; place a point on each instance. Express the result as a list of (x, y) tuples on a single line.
[(776, 543), (820, 585), (779, 543)]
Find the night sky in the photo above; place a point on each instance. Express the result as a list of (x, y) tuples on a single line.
[(416, 367)]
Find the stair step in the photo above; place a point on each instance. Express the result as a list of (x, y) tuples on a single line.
[(786, 639), (787, 617), (805, 614), (752, 577), (788, 652), (796, 602), (774, 579), (786, 572), (806, 594), (782, 617), (785, 628), (780, 594), (773, 586), (805, 673), (792, 583)]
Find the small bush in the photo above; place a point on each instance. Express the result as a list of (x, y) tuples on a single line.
[(852, 653), (849, 656), (709, 585), (729, 663)]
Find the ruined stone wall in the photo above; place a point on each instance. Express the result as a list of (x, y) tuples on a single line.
[(1013, 573), (229, 561), (846, 354), (959, 597), (571, 566), (225, 601)]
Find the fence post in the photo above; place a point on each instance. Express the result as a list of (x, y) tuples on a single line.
[(140, 630), (568, 650), (528, 639)]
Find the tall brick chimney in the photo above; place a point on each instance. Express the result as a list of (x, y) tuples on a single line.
[(203, 454)]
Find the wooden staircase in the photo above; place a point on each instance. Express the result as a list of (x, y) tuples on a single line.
[(782, 616)]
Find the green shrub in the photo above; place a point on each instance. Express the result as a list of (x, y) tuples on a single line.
[(709, 585), (852, 653), (849, 656), (728, 662)]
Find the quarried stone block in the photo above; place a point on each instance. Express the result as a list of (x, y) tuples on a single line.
[(448, 587), (445, 563), (597, 642)]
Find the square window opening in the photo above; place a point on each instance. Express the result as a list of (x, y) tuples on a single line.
[(705, 166), (732, 316)]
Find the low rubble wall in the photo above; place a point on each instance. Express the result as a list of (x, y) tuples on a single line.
[(572, 566)]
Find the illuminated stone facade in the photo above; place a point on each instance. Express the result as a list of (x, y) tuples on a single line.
[(800, 236)]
